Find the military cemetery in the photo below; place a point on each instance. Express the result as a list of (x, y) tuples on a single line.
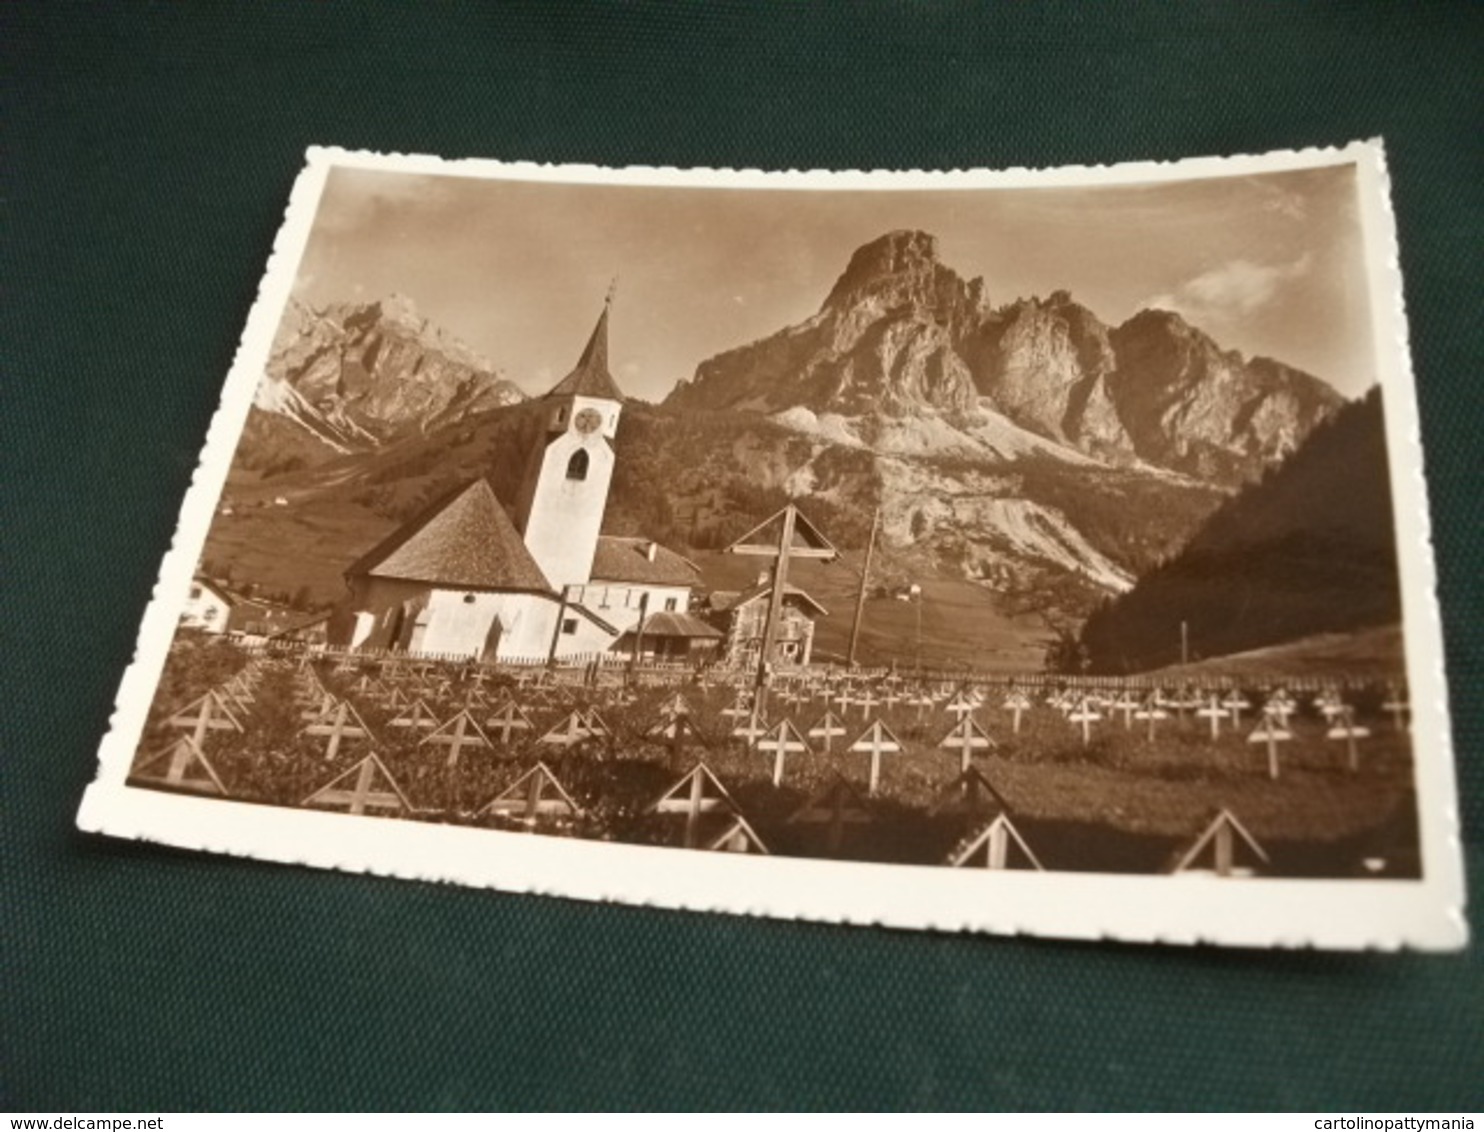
[(986, 588)]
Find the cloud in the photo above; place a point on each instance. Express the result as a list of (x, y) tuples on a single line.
[(1279, 199), (1234, 290)]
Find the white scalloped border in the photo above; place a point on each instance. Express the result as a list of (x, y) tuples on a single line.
[(1383, 915)]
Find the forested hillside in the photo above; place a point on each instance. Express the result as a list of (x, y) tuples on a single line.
[(1308, 548)]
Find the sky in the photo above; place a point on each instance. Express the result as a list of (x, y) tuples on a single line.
[(1270, 265)]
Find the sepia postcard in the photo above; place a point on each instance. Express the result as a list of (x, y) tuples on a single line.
[(1023, 552)]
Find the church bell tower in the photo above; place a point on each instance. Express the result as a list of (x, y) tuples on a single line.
[(565, 491)]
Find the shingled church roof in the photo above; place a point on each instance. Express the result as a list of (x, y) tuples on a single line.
[(463, 541), (620, 559), (591, 377)]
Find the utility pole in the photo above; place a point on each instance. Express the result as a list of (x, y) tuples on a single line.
[(917, 648), (860, 601), (1184, 642), (639, 635)]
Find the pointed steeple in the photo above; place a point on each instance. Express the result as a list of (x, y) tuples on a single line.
[(591, 377)]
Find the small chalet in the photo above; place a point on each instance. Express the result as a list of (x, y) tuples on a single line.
[(208, 606), (212, 607), (674, 637), (742, 617)]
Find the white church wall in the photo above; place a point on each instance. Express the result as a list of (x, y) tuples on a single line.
[(460, 623), (389, 613), (581, 636)]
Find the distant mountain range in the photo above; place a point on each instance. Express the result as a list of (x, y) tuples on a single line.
[(354, 377), (1028, 447)]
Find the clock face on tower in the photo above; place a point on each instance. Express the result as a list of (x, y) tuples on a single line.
[(589, 420)]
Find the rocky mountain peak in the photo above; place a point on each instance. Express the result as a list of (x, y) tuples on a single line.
[(353, 376), (888, 259), (394, 311), (902, 269)]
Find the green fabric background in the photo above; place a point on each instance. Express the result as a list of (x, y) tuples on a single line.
[(148, 154)]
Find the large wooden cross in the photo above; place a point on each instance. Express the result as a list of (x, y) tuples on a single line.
[(1222, 836), (751, 729), (674, 706), (1347, 729), (780, 742), (1272, 732), (534, 795), (342, 724), (837, 807), (418, 716), (1236, 704), (1152, 712), (676, 730), (960, 706), (459, 732), (991, 847), (697, 793), (797, 538), (966, 736), (363, 795), (1017, 703), (210, 715), (1127, 704), (876, 740), (509, 718), (1397, 706), (826, 729), (185, 757), (1215, 713), (569, 731), (1085, 715)]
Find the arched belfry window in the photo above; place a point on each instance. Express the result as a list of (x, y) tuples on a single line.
[(577, 465)]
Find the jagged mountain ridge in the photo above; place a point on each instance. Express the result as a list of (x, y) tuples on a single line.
[(903, 334), (352, 377)]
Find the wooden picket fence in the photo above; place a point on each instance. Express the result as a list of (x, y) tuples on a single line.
[(613, 662)]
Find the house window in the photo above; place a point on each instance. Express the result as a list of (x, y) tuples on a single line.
[(468, 599), (577, 465), (569, 625), (195, 593), (671, 604), (209, 613)]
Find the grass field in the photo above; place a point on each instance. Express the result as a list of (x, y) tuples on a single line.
[(1121, 802)]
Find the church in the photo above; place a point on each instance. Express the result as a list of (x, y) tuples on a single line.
[(464, 578)]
